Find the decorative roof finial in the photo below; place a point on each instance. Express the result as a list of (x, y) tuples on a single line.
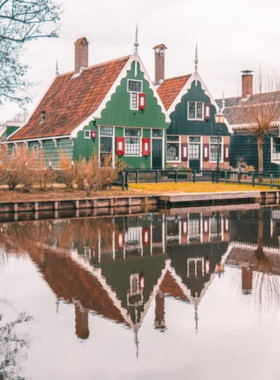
[(196, 59), (136, 43), (56, 69)]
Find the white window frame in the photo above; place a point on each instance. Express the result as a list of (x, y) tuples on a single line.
[(222, 148), (179, 151), (133, 137), (274, 160), (113, 145), (85, 132), (134, 92), (195, 110)]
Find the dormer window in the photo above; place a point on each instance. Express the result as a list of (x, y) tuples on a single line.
[(135, 88), (195, 111)]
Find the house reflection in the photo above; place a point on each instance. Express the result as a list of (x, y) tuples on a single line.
[(117, 267)]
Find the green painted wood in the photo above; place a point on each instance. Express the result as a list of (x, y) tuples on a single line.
[(86, 147), (180, 125), (10, 131)]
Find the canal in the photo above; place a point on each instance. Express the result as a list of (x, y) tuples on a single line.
[(171, 294)]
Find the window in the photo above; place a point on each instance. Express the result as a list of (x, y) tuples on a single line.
[(214, 149), (132, 141), (276, 149), (87, 134), (194, 153), (195, 111), (134, 87), (157, 133), (106, 131), (35, 151), (173, 148)]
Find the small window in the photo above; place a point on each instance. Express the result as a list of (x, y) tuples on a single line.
[(87, 134), (133, 132), (106, 131), (134, 101), (195, 110), (134, 86), (173, 148), (35, 151), (214, 149), (132, 141), (157, 133), (173, 138), (194, 139), (276, 149)]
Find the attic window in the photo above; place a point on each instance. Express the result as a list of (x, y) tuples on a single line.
[(87, 134), (43, 116), (195, 111), (135, 88)]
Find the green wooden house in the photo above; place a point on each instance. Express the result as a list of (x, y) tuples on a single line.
[(108, 107), (243, 143), (192, 140)]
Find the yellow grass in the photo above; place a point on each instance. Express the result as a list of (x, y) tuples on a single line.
[(198, 187)]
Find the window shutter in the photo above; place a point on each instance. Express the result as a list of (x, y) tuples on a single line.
[(226, 152), (184, 152), (120, 146), (145, 147), (207, 111), (205, 152), (142, 101)]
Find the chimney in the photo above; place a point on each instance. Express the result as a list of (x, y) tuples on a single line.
[(81, 54), (247, 83), (159, 63)]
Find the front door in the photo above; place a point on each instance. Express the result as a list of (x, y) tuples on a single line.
[(157, 153), (194, 156), (106, 145)]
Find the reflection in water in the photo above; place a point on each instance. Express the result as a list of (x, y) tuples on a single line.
[(117, 267)]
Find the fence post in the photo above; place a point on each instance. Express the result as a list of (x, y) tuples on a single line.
[(213, 176), (225, 176), (127, 180), (193, 176), (253, 179), (123, 180), (238, 178), (137, 174), (176, 175), (156, 176), (271, 181)]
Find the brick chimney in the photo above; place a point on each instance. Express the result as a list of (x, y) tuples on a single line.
[(159, 63), (247, 83), (81, 54)]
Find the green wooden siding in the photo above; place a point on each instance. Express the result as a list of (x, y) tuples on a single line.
[(86, 147), (180, 125), (10, 131), (246, 147)]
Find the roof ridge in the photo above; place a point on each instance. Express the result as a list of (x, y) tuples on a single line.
[(178, 77), (97, 65)]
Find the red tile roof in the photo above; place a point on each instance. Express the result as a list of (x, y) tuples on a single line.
[(170, 88), (70, 101), (170, 286)]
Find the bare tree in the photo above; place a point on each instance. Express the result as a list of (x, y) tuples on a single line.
[(20, 22), (262, 111)]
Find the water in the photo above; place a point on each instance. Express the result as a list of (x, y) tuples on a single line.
[(181, 294)]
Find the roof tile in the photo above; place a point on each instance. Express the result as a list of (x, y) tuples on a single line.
[(170, 88)]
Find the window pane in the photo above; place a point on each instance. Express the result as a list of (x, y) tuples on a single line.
[(199, 110), (172, 152), (194, 139), (106, 144), (173, 138), (157, 133), (191, 110), (87, 134), (214, 152), (134, 86), (132, 146), (107, 131), (213, 139), (194, 151), (133, 100), (133, 132), (276, 149)]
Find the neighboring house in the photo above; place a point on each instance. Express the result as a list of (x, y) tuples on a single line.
[(243, 143), (192, 139), (108, 107)]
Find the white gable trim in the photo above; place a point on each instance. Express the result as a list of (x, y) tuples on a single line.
[(97, 114), (194, 78)]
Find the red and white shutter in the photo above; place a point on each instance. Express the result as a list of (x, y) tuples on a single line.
[(120, 148), (226, 152), (205, 152), (145, 147), (142, 101), (184, 152), (207, 111)]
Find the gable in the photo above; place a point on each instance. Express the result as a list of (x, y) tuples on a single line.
[(70, 100), (117, 110), (170, 88)]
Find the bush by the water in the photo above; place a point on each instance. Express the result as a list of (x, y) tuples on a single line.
[(24, 170)]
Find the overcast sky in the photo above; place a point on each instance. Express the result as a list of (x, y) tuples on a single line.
[(231, 36)]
